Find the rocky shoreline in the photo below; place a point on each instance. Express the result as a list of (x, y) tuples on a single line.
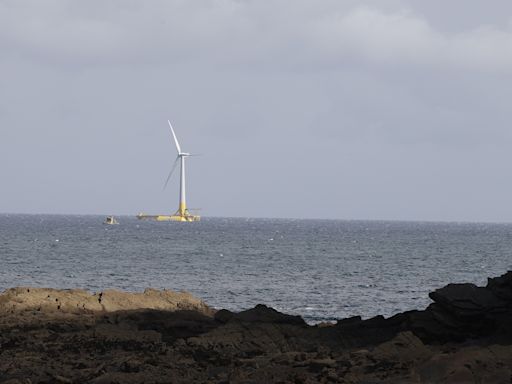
[(73, 336)]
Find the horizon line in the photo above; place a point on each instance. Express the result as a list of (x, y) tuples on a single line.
[(275, 218)]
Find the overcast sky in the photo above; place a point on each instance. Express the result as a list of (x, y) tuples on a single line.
[(382, 109)]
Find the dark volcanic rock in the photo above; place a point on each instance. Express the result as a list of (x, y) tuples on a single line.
[(465, 311), (464, 336), (460, 312), (468, 300), (501, 286), (263, 314), (223, 315)]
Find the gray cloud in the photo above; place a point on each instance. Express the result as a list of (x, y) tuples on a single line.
[(235, 32)]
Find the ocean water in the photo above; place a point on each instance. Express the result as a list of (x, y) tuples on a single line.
[(320, 269)]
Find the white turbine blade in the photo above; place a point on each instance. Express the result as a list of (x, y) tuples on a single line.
[(175, 139), (172, 171)]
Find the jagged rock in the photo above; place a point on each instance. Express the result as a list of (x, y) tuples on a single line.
[(223, 315), (501, 286), (466, 300), (263, 314), (349, 321), (434, 326)]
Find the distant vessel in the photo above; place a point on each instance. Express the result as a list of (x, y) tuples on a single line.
[(110, 220), (182, 214)]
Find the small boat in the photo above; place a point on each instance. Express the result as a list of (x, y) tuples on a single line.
[(110, 220)]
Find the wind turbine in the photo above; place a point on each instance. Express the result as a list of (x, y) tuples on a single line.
[(182, 214)]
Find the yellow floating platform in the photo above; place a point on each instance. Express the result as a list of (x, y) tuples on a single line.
[(182, 218)]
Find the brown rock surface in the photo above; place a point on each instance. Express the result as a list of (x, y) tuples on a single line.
[(78, 300), (73, 336)]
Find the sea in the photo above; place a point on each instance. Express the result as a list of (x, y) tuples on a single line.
[(322, 270)]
